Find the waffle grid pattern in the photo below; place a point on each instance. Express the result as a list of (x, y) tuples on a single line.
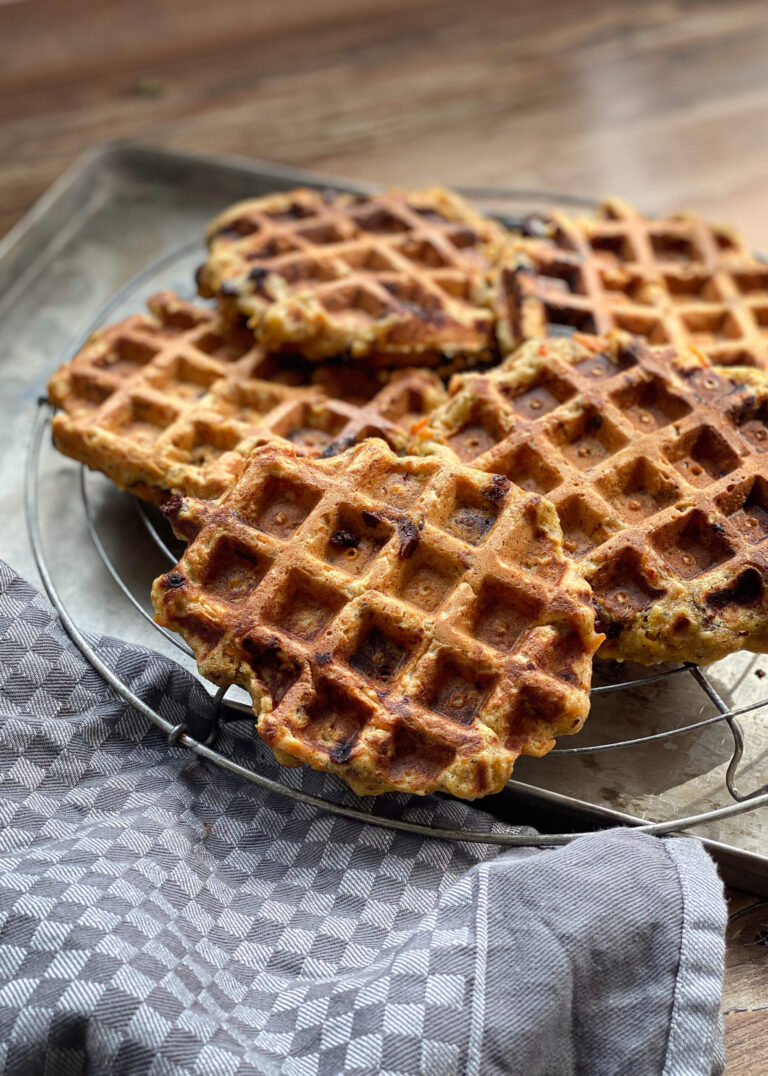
[(678, 281), (408, 624), (176, 401), (395, 277), (656, 465)]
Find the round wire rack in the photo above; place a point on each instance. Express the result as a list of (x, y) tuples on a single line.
[(200, 735)]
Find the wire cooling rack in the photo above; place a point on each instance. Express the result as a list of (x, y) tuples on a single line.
[(200, 735)]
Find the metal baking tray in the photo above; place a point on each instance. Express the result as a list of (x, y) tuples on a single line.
[(125, 206)]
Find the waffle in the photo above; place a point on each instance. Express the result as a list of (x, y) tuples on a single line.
[(656, 464), (678, 281), (177, 399), (407, 623), (397, 278)]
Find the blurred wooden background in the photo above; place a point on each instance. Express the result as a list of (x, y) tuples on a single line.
[(664, 102)]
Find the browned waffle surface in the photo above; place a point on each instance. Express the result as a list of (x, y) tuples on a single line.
[(397, 277), (176, 399), (406, 623), (657, 465), (679, 281)]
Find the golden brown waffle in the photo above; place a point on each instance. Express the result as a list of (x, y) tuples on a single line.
[(399, 278), (676, 281), (657, 465), (406, 623), (177, 399)]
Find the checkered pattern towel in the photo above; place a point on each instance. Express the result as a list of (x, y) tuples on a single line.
[(158, 915)]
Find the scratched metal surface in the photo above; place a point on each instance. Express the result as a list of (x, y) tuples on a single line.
[(101, 226)]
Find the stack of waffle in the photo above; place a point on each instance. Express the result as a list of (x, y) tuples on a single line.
[(409, 576)]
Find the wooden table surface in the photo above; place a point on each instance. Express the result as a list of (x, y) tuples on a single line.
[(664, 102)]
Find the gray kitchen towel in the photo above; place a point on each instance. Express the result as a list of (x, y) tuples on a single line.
[(158, 915)]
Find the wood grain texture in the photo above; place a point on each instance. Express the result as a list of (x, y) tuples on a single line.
[(745, 993), (664, 102)]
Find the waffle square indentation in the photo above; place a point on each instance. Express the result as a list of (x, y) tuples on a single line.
[(651, 327), (560, 275), (542, 394), (752, 422), (752, 282), (375, 260), (332, 722), (624, 283), (281, 506), (671, 246), (126, 356), (187, 379), (685, 286), (692, 544), (564, 317), (622, 588), (379, 220), (638, 490), (481, 431), (307, 607), (355, 539), (144, 420), (303, 268), (582, 523), (619, 246), (180, 319), (247, 403), (531, 548), (207, 441), (295, 211), (366, 302), (311, 426), (598, 368), (702, 456), (273, 247), (747, 508), (227, 348), (415, 757), (532, 709), (650, 404), (711, 325), (322, 233), (587, 437), (382, 650), (502, 613), (234, 570), (420, 299), (458, 691), (427, 578), (528, 469), (400, 488), (423, 252), (89, 390), (274, 669), (471, 515), (405, 405)]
